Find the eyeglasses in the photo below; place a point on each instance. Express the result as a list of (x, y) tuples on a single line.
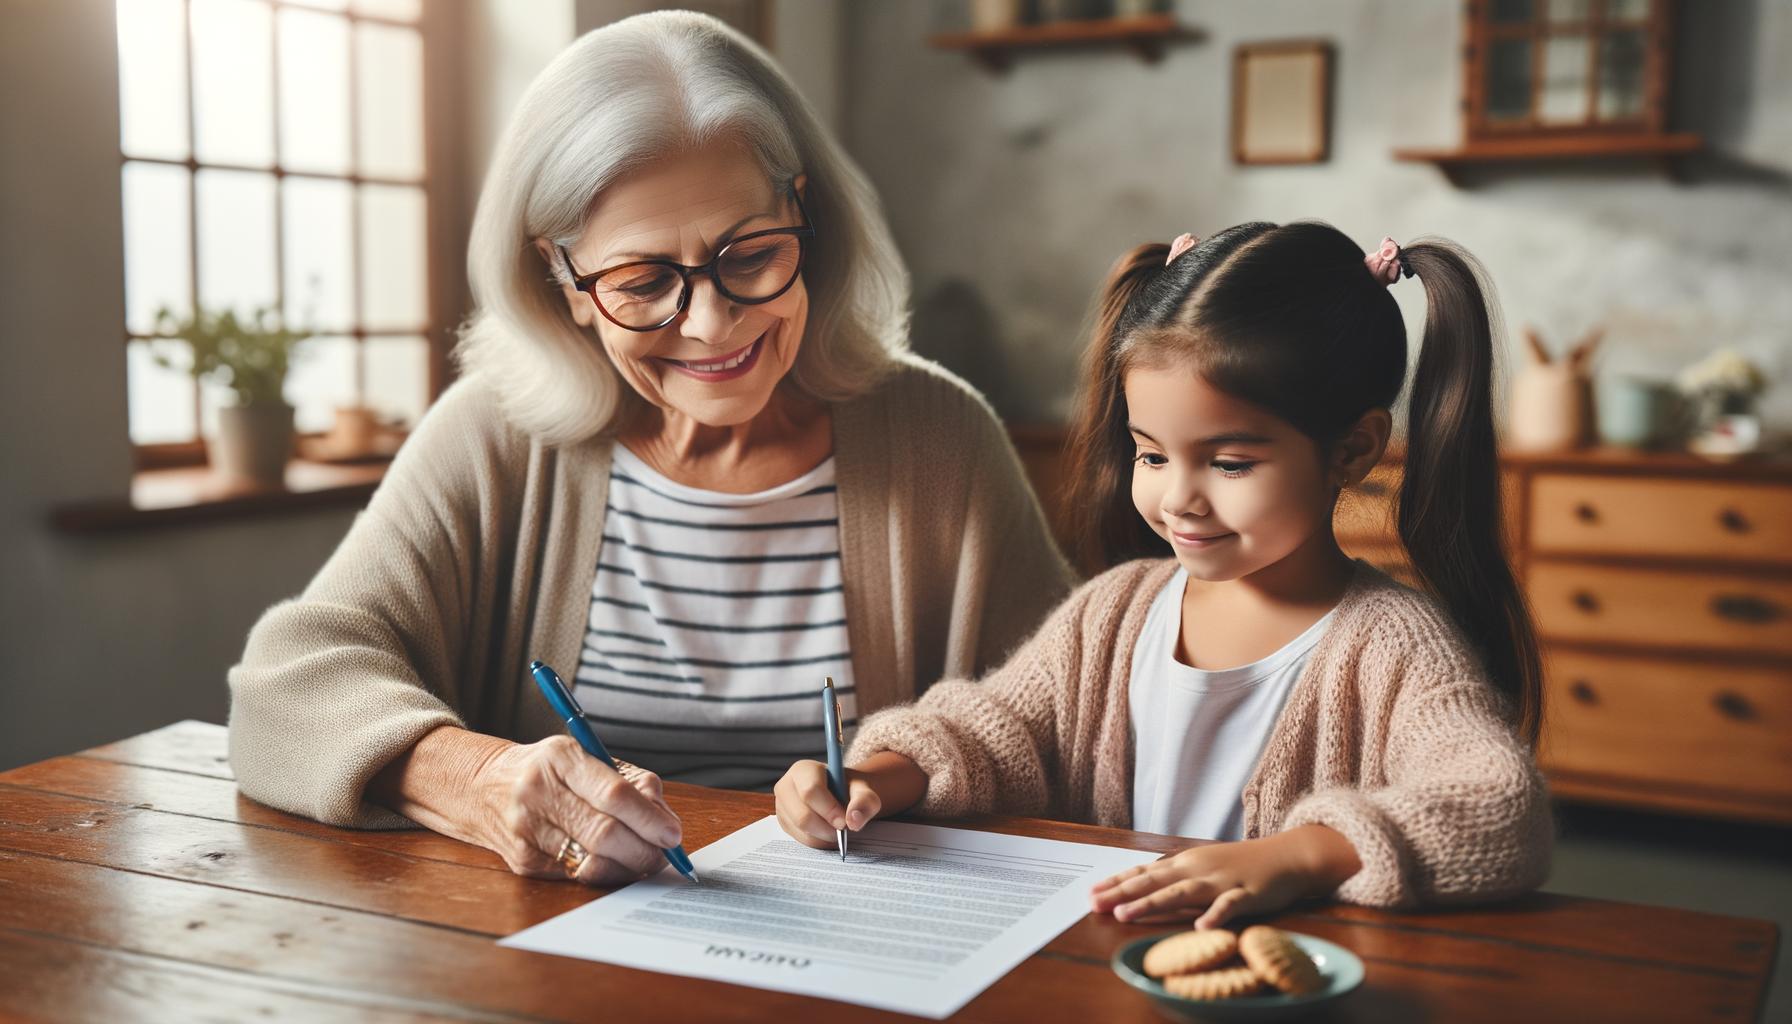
[(646, 295)]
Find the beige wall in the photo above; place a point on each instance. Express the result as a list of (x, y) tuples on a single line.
[(1011, 195), (806, 37)]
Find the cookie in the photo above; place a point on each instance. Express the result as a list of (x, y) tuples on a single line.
[(1228, 983), (1190, 952), (1277, 960)]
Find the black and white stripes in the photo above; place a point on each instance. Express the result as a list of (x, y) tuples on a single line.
[(714, 618)]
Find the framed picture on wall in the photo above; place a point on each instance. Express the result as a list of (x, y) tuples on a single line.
[(1281, 102)]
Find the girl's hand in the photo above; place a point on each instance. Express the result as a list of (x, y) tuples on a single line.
[(1228, 880), (883, 783), (808, 811)]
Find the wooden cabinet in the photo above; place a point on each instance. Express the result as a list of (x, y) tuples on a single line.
[(1715, 738), (1662, 591), (1661, 586)]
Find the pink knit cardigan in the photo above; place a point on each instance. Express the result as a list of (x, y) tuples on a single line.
[(1392, 736)]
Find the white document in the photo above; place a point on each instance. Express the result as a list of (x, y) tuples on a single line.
[(918, 920)]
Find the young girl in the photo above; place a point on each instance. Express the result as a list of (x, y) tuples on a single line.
[(1342, 734)]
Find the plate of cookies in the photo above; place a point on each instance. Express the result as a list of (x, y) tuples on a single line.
[(1262, 973)]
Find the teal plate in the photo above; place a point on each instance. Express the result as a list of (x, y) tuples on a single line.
[(1339, 967)]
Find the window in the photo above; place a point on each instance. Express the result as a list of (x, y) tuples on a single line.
[(1552, 66), (274, 154)]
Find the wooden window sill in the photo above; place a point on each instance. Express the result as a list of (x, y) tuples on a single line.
[(174, 497)]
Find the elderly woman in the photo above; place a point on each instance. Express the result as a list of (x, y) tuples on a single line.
[(689, 463)]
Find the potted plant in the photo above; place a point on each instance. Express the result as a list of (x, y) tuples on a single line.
[(1722, 389), (250, 358)]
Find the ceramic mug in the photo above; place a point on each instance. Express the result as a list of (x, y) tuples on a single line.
[(1634, 412)]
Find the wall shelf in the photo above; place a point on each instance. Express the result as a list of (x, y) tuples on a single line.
[(1666, 147), (1147, 36), (176, 497)]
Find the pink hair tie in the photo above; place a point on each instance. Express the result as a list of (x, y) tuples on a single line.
[(1387, 263), (1183, 243)]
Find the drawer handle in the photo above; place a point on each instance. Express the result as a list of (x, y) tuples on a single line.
[(1734, 521), (1586, 513), (1583, 691), (1733, 706), (1585, 600), (1745, 608)]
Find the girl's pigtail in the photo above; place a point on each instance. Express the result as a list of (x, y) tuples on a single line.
[(1450, 509), (1099, 495)]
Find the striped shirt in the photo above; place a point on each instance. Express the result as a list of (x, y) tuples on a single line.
[(714, 618)]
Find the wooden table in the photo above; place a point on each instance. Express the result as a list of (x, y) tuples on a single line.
[(136, 885)]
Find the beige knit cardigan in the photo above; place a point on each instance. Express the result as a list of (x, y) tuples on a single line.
[(478, 553), (1391, 735)]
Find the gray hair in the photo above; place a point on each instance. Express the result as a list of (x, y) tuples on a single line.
[(611, 102)]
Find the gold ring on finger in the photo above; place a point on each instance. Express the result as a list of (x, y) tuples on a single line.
[(571, 857)]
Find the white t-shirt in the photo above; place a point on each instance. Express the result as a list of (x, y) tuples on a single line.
[(1198, 734), (714, 618)]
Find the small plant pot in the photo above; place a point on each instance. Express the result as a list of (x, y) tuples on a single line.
[(995, 15), (253, 444)]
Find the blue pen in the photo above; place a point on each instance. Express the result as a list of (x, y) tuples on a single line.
[(569, 711), (830, 728)]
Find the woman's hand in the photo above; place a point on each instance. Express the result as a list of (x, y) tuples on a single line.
[(1228, 880), (538, 795), (808, 811), (522, 802)]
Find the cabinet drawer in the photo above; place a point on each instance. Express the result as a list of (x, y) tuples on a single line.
[(1666, 721), (1652, 516), (1365, 515), (1661, 607)]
